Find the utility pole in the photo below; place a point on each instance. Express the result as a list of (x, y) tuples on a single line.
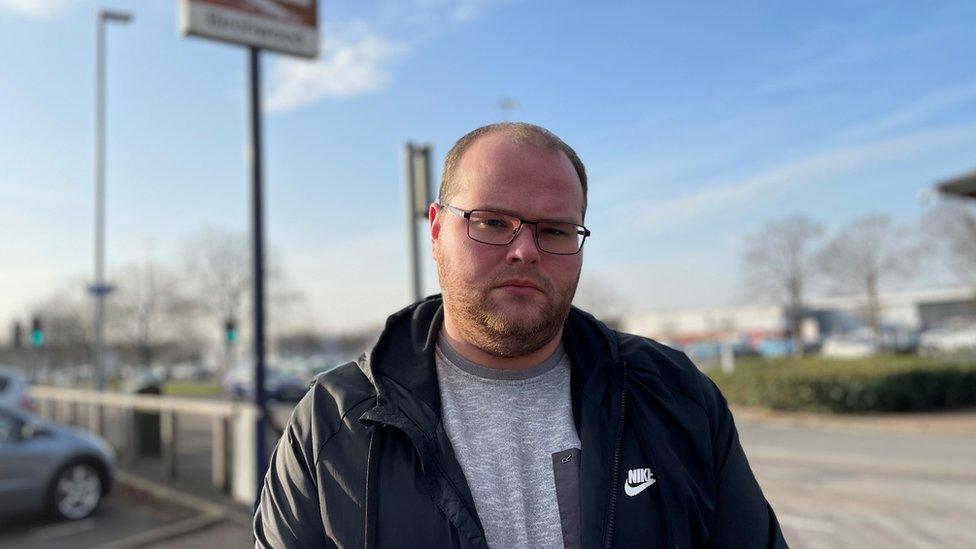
[(100, 289), (257, 240)]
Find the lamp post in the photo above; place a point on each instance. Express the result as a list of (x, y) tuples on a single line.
[(417, 177), (100, 288)]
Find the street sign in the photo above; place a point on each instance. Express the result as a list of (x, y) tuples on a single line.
[(284, 26)]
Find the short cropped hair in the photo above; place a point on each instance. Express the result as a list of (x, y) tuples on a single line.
[(520, 132)]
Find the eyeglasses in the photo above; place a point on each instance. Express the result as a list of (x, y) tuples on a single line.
[(499, 229)]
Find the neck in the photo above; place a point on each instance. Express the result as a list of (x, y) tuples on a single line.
[(478, 356)]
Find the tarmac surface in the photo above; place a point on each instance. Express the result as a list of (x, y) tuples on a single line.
[(842, 486)]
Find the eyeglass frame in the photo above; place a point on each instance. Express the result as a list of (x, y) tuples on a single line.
[(466, 215)]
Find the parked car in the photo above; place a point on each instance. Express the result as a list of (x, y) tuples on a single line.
[(948, 339), (278, 385), (46, 467), (849, 346), (13, 390)]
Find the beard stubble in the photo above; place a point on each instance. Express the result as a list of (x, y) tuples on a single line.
[(493, 327)]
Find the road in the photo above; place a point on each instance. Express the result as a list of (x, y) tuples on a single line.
[(835, 488)]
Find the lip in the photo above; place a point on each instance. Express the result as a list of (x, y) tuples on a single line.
[(519, 284)]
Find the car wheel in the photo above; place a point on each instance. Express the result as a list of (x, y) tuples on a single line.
[(77, 491)]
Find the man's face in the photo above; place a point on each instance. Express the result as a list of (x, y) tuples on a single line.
[(508, 300)]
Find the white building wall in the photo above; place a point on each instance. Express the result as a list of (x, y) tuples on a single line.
[(898, 308)]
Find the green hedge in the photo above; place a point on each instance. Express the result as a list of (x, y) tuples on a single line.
[(876, 384)]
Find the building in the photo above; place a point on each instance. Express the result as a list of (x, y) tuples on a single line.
[(764, 329)]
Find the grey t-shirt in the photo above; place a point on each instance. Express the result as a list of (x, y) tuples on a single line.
[(513, 434)]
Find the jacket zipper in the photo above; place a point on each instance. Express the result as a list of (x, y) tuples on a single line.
[(421, 451), (614, 484)]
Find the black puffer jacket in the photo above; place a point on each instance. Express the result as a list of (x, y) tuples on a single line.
[(365, 460)]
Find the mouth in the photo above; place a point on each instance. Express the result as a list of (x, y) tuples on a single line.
[(519, 286)]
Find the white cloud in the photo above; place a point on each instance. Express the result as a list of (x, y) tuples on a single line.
[(820, 167), (836, 60), (36, 9), (358, 57), (918, 111), (353, 60)]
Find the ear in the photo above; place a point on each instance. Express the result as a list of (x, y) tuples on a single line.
[(434, 218)]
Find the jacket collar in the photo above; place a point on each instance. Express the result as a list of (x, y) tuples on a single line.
[(402, 361)]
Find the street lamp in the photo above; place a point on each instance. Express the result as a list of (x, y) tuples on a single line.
[(100, 288)]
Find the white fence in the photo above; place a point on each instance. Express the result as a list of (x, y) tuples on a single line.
[(232, 429)]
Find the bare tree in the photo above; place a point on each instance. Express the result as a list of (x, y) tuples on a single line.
[(863, 254), (777, 262), (150, 313), (954, 225), (66, 319), (218, 268)]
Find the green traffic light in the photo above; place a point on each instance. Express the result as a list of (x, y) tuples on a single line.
[(231, 336), (37, 338)]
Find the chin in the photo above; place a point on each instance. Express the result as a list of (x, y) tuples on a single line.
[(514, 318)]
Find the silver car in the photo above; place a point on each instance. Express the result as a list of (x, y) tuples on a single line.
[(49, 467)]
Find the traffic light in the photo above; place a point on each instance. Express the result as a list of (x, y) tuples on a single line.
[(230, 331), (37, 332), (17, 341)]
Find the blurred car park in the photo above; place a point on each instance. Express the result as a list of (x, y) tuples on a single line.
[(948, 339), (278, 385), (51, 468)]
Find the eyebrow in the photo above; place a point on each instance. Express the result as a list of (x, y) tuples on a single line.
[(518, 215)]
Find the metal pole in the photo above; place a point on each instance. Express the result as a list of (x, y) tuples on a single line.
[(100, 288), (99, 373), (412, 246), (257, 237)]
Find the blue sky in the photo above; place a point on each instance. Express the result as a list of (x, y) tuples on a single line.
[(697, 124)]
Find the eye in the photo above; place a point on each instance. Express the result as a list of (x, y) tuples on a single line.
[(557, 230), (494, 222)]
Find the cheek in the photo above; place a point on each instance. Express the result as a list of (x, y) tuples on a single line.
[(565, 272), (465, 258)]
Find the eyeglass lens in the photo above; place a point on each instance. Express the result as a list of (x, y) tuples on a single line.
[(496, 228)]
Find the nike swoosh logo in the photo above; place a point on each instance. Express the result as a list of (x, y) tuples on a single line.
[(634, 490)]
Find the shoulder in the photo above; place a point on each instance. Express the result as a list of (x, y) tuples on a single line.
[(645, 356), (334, 402)]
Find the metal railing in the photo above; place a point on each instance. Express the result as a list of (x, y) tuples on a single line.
[(65, 405)]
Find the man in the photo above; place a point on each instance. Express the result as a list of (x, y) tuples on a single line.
[(497, 415)]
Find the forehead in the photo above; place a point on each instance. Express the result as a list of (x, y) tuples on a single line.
[(500, 172)]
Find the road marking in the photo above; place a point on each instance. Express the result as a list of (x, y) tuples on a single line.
[(47, 533)]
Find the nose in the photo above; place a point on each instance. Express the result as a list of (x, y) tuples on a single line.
[(524, 248)]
